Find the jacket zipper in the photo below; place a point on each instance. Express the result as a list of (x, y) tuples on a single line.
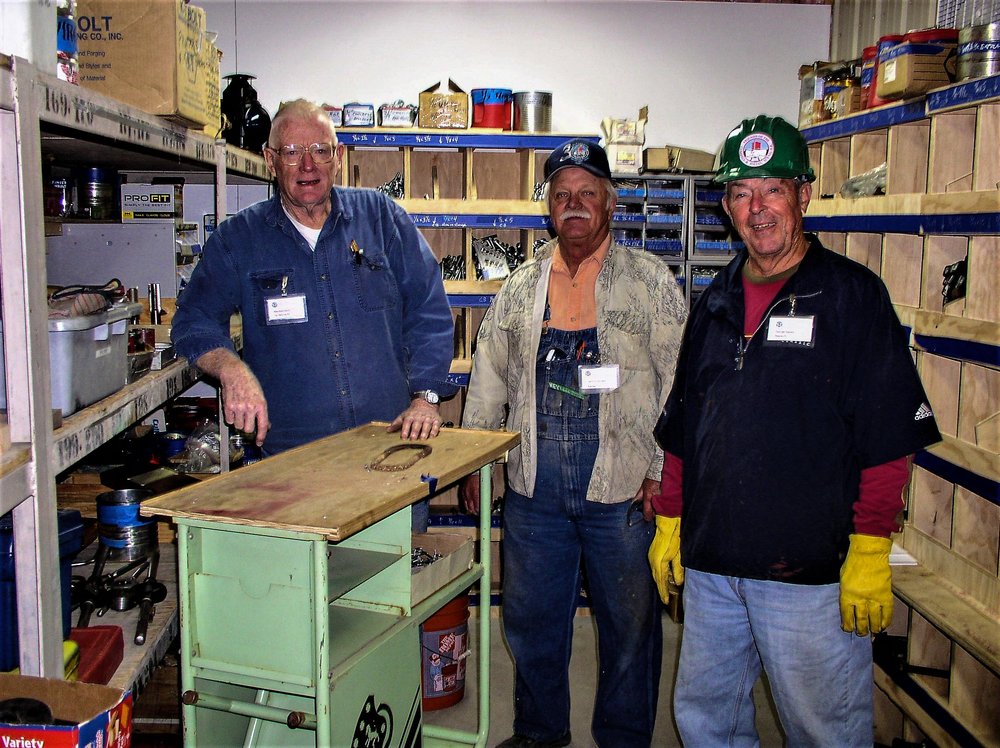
[(742, 343)]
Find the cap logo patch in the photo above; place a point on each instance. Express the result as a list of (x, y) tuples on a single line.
[(756, 149), (576, 152)]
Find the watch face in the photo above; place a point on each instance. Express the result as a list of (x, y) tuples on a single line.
[(432, 397)]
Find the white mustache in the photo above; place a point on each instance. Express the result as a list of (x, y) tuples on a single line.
[(574, 214)]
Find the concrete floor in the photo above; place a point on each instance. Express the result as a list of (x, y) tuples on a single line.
[(583, 673)]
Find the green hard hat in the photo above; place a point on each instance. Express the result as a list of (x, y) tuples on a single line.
[(764, 147)]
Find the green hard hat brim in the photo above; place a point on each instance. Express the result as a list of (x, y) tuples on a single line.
[(731, 174)]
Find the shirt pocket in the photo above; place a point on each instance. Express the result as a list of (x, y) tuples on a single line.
[(268, 284), (374, 282), (628, 339)]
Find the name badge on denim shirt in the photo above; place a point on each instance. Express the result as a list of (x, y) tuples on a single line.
[(794, 331), (598, 378), (286, 310)]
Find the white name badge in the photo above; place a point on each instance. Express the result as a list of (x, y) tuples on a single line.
[(791, 330), (603, 378), (286, 310)]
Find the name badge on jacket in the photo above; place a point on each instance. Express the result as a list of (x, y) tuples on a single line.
[(286, 310), (799, 332)]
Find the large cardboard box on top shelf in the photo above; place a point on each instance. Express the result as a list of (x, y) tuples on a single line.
[(443, 106), (155, 55), (91, 715)]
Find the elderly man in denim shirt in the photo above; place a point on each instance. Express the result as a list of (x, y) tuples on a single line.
[(345, 318)]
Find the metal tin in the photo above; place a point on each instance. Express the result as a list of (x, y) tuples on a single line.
[(533, 111), (978, 53)]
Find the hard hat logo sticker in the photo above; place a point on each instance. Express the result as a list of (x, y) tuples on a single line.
[(756, 149)]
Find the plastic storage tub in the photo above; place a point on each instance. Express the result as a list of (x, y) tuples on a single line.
[(70, 540), (88, 356)]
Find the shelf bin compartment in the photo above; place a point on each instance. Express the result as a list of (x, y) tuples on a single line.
[(437, 174), (375, 168)]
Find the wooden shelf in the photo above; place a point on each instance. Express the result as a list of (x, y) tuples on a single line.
[(970, 626), (85, 431)]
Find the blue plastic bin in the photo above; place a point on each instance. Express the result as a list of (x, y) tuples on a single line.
[(70, 541)]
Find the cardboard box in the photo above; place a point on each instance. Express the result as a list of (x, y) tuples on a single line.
[(456, 557), (154, 55), (443, 108), (97, 715), (625, 159), (910, 69), (146, 202), (674, 158), (625, 131)]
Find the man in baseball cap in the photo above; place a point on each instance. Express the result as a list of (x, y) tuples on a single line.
[(580, 484)]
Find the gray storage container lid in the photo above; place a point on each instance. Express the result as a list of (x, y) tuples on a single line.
[(87, 321)]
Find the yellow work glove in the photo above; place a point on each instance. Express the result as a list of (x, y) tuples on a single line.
[(866, 586), (665, 555)]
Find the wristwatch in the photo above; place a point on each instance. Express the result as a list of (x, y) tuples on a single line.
[(429, 395)]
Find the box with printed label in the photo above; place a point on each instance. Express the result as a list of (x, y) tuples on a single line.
[(145, 202), (78, 715), (155, 55), (915, 67), (625, 159)]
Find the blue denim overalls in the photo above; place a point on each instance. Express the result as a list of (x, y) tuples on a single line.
[(545, 539)]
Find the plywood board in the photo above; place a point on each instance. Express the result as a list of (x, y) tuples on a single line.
[(930, 505), (327, 488), (909, 145), (901, 266), (941, 378), (983, 301), (952, 144), (979, 400), (975, 693), (976, 534)]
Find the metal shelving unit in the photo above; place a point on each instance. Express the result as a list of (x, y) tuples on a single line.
[(43, 116)]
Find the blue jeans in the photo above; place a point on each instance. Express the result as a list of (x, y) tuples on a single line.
[(820, 676)]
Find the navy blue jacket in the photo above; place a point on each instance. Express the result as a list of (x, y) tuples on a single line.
[(774, 437), (379, 325)]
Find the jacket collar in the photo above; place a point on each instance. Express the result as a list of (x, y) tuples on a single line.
[(275, 215), (726, 300)]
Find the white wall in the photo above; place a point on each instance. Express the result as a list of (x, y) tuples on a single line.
[(700, 66)]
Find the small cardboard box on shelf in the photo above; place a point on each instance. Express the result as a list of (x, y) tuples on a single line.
[(443, 106), (90, 714), (155, 55), (675, 158)]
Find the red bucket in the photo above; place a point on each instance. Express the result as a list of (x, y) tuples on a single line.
[(444, 645), (491, 107)]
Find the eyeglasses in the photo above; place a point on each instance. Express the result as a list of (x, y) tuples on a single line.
[(290, 155)]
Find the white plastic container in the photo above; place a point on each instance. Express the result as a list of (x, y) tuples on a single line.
[(88, 356)]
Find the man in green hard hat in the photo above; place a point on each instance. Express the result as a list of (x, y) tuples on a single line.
[(786, 435)]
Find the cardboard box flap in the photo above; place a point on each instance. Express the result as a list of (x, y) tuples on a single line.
[(69, 701), (440, 87)]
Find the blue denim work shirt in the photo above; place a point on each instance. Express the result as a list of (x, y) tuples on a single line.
[(378, 324)]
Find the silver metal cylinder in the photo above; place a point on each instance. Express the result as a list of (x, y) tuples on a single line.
[(533, 111), (978, 51)]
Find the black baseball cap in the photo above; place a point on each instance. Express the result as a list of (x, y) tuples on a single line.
[(578, 152)]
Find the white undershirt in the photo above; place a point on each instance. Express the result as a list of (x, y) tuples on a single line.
[(310, 235)]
